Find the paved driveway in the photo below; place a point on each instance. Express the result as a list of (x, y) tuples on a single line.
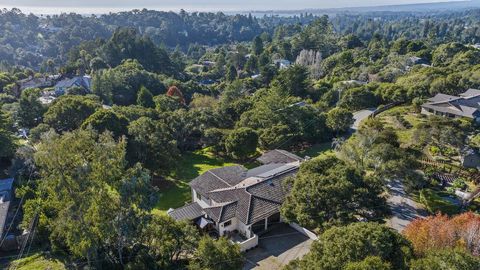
[(404, 209), (277, 248), (360, 116)]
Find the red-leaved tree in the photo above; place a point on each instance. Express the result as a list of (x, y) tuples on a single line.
[(440, 231), (173, 91)]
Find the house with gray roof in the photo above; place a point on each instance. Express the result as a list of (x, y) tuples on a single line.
[(241, 203), (465, 105), (6, 186), (79, 81)]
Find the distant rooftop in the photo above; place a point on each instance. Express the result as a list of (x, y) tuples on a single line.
[(466, 104), (5, 197)]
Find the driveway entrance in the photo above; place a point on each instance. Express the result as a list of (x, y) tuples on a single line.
[(277, 248)]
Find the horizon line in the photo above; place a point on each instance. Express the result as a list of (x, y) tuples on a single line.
[(190, 9)]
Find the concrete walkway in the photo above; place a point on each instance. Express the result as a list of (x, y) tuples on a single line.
[(404, 209)]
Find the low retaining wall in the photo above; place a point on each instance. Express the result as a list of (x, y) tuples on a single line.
[(249, 243), (303, 231), (384, 108)]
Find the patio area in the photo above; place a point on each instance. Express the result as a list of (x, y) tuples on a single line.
[(277, 248)]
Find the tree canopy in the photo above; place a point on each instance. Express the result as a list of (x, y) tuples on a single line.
[(241, 143), (311, 204), (69, 112), (354, 245)]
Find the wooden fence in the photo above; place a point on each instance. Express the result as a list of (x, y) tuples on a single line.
[(386, 107)]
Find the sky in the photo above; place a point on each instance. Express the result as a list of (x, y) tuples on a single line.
[(105, 6)]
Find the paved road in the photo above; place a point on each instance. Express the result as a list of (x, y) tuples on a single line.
[(360, 116), (404, 209)]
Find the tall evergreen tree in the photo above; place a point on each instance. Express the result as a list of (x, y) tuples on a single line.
[(257, 45), (232, 73), (145, 98)]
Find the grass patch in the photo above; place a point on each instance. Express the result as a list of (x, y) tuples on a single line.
[(37, 261), (316, 150), (414, 119), (434, 202), (391, 119), (404, 136), (404, 109), (191, 165)]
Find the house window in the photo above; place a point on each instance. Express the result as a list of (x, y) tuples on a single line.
[(199, 197), (227, 223)]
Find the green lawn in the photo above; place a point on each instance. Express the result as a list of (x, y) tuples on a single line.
[(175, 192), (316, 150), (434, 202), (37, 261), (191, 165), (404, 109)]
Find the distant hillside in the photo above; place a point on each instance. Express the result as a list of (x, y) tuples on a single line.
[(424, 7)]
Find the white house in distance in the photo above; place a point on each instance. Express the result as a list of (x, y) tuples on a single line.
[(239, 203), (282, 63)]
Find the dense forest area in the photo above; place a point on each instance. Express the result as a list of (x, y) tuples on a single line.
[(99, 146), (30, 40)]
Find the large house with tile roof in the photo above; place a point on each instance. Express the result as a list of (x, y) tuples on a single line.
[(465, 105), (241, 203)]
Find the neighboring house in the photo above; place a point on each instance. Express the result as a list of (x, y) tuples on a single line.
[(470, 158), (475, 46), (79, 81), (208, 63), (33, 82), (41, 82), (353, 83), (6, 195), (47, 99), (239, 203), (466, 105), (207, 82), (282, 63), (415, 60), (50, 28)]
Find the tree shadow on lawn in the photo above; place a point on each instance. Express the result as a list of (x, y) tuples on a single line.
[(316, 150), (195, 163), (173, 197), (175, 191)]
